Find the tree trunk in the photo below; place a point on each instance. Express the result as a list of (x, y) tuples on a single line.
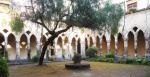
[(50, 40)]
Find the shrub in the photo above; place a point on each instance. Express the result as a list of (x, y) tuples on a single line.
[(4, 72), (110, 55), (130, 60), (35, 58), (123, 61), (76, 58), (91, 51)]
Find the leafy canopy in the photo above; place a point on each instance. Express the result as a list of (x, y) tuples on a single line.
[(53, 14)]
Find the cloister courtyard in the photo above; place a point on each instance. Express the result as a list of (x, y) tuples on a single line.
[(98, 69)]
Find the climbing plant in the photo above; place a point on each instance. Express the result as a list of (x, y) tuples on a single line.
[(16, 23)]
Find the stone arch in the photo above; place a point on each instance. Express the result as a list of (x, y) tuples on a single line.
[(91, 41), (130, 44), (86, 44), (1, 44), (59, 47), (11, 47), (104, 45), (112, 44), (73, 46), (141, 44), (120, 45), (98, 45), (79, 46), (23, 46), (33, 45), (66, 46)]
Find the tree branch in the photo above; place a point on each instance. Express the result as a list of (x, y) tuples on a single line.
[(63, 30)]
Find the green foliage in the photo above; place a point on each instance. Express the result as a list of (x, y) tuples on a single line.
[(35, 58), (17, 24), (110, 55), (91, 51), (144, 61), (76, 58), (113, 13), (123, 61), (99, 59), (132, 10), (4, 70)]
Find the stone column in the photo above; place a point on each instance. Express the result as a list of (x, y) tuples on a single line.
[(63, 49), (108, 46), (88, 42), (125, 55), (101, 47), (116, 46), (135, 48), (94, 42), (83, 50), (38, 48), (69, 50), (18, 50), (55, 49), (29, 50), (147, 54), (76, 43), (6, 49)]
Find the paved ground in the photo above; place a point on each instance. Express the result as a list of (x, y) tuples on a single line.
[(98, 69)]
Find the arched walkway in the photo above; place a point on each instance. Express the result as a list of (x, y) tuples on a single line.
[(104, 46), (120, 45), (59, 47), (130, 44), (33, 45), (73, 46), (141, 44), (112, 44), (66, 46), (23, 47), (79, 47), (98, 45), (11, 47), (91, 41), (86, 44)]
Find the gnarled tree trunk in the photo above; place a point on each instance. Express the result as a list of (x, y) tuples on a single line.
[(50, 41)]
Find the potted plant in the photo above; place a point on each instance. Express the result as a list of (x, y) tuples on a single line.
[(132, 10), (77, 58)]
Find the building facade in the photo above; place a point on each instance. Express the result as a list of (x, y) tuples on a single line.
[(132, 40)]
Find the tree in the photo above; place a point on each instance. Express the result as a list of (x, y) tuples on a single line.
[(78, 13)]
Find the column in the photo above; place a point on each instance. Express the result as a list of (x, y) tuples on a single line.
[(125, 48), (88, 42), (101, 47), (55, 49), (38, 47), (147, 54), (69, 50), (6, 50), (108, 46), (76, 43), (83, 50), (116, 46), (63, 49), (17, 50), (29, 50), (135, 48)]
